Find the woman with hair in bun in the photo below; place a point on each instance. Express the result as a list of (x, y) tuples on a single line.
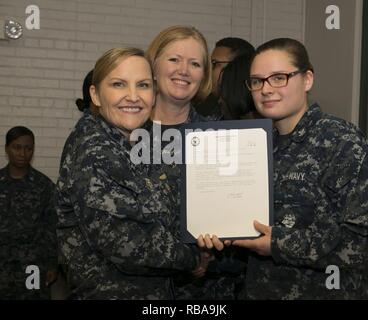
[(86, 102), (116, 222), (320, 189)]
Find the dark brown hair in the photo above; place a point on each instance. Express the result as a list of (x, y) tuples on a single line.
[(296, 50), (16, 132)]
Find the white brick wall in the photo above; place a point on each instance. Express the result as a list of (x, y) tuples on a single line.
[(41, 74)]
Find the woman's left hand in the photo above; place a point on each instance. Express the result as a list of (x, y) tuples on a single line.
[(208, 242), (261, 245)]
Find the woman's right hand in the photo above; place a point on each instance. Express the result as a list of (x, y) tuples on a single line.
[(208, 242)]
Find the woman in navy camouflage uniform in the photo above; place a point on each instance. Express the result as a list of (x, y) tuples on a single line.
[(320, 189), (182, 69), (115, 217), (27, 222)]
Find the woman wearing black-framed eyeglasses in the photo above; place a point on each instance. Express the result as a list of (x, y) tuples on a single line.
[(318, 245)]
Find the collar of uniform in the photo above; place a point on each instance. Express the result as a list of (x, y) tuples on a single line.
[(194, 116), (307, 121), (29, 176), (113, 132), (278, 143), (88, 112), (4, 174), (148, 125), (301, 130)]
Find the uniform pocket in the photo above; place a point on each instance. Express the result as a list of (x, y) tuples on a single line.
[(294, 214)]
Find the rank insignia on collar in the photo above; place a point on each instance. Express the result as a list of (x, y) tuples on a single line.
[(149, 184)]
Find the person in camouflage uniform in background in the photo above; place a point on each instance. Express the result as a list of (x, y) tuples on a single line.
[(116, 224), (179, 53), (320, 189), (27, 222)]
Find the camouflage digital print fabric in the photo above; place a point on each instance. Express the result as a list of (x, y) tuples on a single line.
[(223, 277), (116, 226), (321, 220), (27, 233)]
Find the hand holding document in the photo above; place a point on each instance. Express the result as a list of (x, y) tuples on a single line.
[(227, 179)]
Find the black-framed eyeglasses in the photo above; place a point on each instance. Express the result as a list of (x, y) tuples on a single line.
[(215, 62), (277, 80)]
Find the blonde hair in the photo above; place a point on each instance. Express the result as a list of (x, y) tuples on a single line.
[(176, 33), (111, 59)]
